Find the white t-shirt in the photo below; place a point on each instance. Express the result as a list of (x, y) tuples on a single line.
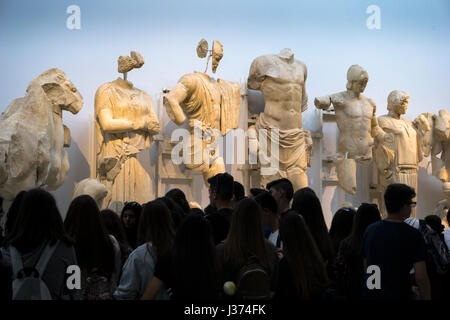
[(273, 238)]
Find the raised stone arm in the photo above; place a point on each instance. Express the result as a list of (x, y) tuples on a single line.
[(172, 103)]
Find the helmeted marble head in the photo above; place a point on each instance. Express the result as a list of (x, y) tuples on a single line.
[(397, 101), (357, 78), (217, 54)]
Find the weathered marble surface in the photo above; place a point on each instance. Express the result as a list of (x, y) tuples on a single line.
[(33, 136), (281, 80)]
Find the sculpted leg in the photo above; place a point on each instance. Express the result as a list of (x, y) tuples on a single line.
[(298, 177), (346, 172)]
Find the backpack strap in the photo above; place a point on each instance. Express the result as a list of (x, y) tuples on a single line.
[(16, 261), (45, 258)]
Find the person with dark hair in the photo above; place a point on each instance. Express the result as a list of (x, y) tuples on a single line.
[(308, 205), (238, 192), (270, 218), (210, 209), (255, 191), (438, 256), (395, 248), (435, 223), (283, 191), (302, 271), (38, 224), (246, 240), (130, 220), (198, 211), (341, 226), (13, 211), (155, 236), (348, 266), (115, 228), (175, 211), (179, 197), (190, 270), (221, 188), (97, 252)]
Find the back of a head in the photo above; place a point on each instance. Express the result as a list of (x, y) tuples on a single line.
[(366, 214), (92, 243), (179, 197), (13, 211), (397, 195), (255, 191), (282, 184), (435, 223), (38, 220), (246, 236), (175, 211), (341, 225), (308, 205), (223, 185), (113, 225), (198, 211), (302, 254), (194, 257), (156, 226), (238, 191), (267, 201)]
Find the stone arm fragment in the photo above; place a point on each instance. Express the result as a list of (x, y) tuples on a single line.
[(322, 102), (105, 117), (172, 103), (423, 129)]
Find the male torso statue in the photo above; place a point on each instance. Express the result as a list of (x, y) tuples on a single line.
[(357, 123), (281, 80)]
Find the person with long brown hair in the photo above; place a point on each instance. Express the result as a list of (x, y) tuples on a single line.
[(98, 253), (302, 272), (189, 270), (308, 205), (349, 266), (155, 238), (38, 225), (246, 239)]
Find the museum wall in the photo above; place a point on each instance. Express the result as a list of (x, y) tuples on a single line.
[(409, 52)]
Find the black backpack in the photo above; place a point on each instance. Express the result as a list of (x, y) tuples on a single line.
[(253, 282)]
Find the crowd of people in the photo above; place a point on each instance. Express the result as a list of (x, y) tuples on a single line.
[(272, 244)]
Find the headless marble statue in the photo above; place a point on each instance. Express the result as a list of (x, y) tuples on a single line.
[(125, 123), (357, 123), (281, 80), (212, 108)]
